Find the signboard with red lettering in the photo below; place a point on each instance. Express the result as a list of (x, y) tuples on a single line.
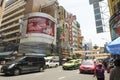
[(40, 25)]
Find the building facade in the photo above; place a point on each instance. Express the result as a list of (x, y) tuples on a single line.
[(114, 7), (2, 6), (32, 26), (17, 17), (69, 31)]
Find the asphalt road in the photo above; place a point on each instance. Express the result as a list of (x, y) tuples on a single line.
[(52, 74)]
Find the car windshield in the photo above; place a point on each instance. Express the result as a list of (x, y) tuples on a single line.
[(70, 62), (88, 63)]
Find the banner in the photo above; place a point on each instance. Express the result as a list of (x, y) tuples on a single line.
[(40, 25)]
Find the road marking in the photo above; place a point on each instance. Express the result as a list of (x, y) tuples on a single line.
[(61, 78), (39, 74)]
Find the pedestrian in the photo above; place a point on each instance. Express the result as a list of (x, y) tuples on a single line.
[(99, 72), (115, 72)]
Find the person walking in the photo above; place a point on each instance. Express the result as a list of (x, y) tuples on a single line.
[(115, 72), (99, 72)]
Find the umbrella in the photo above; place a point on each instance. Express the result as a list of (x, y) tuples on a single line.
[(114, 46)]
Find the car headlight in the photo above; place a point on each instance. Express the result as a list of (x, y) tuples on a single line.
[(12, 65)]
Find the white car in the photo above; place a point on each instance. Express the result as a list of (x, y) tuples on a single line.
[(52, 62)]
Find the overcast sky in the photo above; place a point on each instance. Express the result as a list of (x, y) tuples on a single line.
[(85, 16)]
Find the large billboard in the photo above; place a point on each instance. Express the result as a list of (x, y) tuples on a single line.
[(97, 14), (40, 25), (93, 1)]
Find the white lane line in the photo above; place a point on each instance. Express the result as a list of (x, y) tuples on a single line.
[(39, 74), (61, 78)]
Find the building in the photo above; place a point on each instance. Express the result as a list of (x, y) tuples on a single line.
[(17, 35), (2, 6), (76, 32), (21, 27), (69, 33), (114, 7)]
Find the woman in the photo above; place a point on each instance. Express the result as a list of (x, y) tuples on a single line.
[(99, 72)]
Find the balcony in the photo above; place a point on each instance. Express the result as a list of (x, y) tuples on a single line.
[(13, 7), (12, 20), (20, 11), (9, 27)]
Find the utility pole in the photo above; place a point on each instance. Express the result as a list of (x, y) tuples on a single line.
[(59, 48)]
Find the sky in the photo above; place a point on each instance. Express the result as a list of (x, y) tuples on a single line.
[(85, 16)]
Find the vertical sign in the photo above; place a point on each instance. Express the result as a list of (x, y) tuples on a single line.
[(97, 14)]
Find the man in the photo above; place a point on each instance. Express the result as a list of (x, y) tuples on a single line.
[(115, 72)]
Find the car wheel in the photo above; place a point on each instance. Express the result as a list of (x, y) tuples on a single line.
[(47, 66), (16, 72), (63, 68), (56, 65), (41, 69)]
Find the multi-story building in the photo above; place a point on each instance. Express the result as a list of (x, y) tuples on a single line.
[(114, 7), (19, 21), (2, 6), (62, 32), (76, 32), (21, 27), (71, 38)]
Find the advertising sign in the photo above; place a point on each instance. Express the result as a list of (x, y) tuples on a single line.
[(40, 25), (93, 1), (98, 18)]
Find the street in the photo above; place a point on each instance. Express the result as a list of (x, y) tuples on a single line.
[(53, 74)]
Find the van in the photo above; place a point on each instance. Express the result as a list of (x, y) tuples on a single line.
[(23, 65)]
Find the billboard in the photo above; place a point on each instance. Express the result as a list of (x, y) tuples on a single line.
[(98, 18), (93, 1), (40, 25)]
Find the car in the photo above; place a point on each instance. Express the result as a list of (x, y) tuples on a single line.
[(23, 65), (51, 61), (87, 66), (72, 64), (80, 60)]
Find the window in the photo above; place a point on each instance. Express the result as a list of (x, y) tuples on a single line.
[(98, 22), (98, 17)]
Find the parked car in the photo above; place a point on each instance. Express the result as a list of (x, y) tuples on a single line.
[(51, 62), (80, 60), (72, 64), (23, 65), (87, 66)]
